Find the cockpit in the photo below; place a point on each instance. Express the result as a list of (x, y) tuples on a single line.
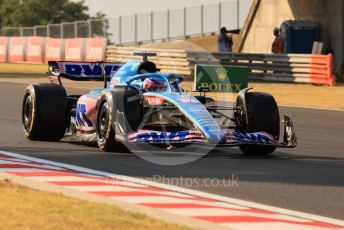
[(145, 76)]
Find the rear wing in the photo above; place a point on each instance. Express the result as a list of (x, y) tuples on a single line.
[(81, 71)]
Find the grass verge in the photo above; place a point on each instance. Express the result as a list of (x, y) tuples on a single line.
[(23, 68), (26, 208), (294, 94)]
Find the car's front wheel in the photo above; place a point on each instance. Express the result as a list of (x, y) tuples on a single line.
[(262, 116), (105, 132)]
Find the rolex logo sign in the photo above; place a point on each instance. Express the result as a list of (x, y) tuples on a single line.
[(222, 74), (221, 78)]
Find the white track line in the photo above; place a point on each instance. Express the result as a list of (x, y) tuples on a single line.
[(310, 107), (297, 106), (264, 226), (183, 190)]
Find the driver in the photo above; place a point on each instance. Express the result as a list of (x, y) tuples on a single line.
[(153, 85)]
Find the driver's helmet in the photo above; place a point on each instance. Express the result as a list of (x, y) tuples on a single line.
[(153, 85)]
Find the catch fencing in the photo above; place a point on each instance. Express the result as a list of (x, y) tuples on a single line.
[(77, 29), (147, 27)]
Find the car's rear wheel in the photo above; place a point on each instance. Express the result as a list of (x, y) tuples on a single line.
[(44, 112), (262, 116)]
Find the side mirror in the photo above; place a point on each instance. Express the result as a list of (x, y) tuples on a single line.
[(203, 89)]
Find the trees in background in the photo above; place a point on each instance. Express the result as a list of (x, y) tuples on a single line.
[(19, 13)]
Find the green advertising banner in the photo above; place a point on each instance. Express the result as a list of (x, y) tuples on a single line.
[(221, 78)]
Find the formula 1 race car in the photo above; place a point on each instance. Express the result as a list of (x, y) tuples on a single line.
[(140, 105)]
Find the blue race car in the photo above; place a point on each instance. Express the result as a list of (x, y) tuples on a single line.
[(131, 109)]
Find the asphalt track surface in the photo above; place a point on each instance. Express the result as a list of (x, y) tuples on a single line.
[(309, 178)]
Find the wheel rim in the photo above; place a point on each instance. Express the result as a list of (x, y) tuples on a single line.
[(240, 120), (103, 122), (27, 113)]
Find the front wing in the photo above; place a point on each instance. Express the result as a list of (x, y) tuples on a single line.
[(231, 138)]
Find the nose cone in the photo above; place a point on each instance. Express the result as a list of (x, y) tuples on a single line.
[(197, 113)]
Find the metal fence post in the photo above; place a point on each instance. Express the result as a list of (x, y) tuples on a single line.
[(168, 24), (220, 15), (120, 30), (89, 28), (238, 14), (61, 30), (202, 20), (152, 26), (48, 31), (34, 31), (75, 29), (184, 22), (135, 26), (105, 27), (21, 31)]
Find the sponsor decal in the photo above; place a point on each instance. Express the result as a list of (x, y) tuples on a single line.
[(73, 53), (52, 49), (95, 49), (88, 69), (3, 47), (151, 100), (221, 78), (222, 74), (115, 81), (155, 136), (73, 49), (95, 53), (16, 50), (188, 100), (2, 50), (34, 50), (81, 117), (259, 137), (53, 52), (220, 87)]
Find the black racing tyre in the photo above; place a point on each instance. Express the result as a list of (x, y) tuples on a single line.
[(105, 132), (44, 112), (127, 103), (263, 116)]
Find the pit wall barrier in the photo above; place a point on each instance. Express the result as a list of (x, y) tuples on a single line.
[(41, 49), (292, 68)]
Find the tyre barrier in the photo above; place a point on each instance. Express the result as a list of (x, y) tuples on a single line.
[(294, 68)]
